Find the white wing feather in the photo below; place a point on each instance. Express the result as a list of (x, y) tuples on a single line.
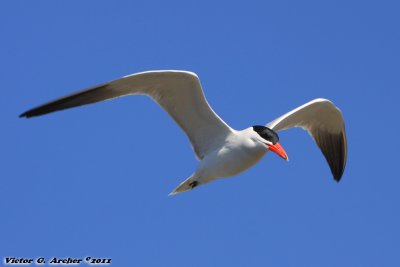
[(179, 93)]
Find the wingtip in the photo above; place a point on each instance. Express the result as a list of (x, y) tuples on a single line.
[(338, 176), (26, 115), (23, 115)]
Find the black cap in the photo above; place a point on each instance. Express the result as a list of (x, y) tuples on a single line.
[(266, 133)]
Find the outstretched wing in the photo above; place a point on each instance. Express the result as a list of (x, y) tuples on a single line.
[(178, 92), (324, 122)]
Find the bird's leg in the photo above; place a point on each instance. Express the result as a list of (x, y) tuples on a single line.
[(193, 184)]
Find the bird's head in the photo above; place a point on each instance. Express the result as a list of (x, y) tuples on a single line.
[(270, 139)]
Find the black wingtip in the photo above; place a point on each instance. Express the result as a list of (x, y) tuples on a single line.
[(343, 156), (338, 172), (337, 178), (334, 148), (25, 115)]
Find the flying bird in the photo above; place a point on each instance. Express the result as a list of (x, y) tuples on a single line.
[(221, 150)]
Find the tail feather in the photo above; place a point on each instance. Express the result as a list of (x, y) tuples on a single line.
[(186, 185)]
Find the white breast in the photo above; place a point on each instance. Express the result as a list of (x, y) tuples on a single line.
[(236, 155)]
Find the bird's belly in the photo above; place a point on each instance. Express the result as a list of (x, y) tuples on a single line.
[(229, 162)]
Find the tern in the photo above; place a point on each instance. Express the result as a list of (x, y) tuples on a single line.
[(221, 150)]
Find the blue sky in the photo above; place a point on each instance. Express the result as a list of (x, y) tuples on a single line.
[(94, 181)]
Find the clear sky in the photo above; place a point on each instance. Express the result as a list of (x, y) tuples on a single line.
[(94, 181)]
